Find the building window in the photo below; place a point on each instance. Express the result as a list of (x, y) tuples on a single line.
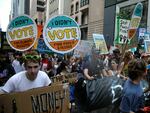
[(76, 19), (84, 2), (72, 7), (77, 6)]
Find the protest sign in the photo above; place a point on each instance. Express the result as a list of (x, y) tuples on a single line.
[(68, 78), (122, 31), (135, 20), (21, 33), (100, 43), (61, 34), (83, 49), (51, 99), (147, 46)]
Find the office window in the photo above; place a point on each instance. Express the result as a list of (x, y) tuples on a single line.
[(84, 2), (77, 6), (72, 7)]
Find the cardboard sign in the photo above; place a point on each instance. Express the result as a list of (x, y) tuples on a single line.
[(135, 20), (21, 33), (61, 34), (68, 78), (52, 99)]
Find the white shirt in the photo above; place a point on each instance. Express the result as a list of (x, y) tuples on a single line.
[(19, 82), (17, 66)]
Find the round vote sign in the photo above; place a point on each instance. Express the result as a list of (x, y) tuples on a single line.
[(61, 34), (21, 33)]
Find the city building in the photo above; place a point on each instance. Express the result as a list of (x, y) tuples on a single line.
[(37, 11), (123, 9), (89, 15), (19, 7), (57, 7)]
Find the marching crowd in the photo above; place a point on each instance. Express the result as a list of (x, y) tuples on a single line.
[(23, 71)]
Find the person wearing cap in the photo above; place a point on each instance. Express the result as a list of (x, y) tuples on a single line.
[(32, 77)]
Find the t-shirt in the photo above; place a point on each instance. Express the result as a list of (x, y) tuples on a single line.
[(132, 99), (17, 66), (19, 82)]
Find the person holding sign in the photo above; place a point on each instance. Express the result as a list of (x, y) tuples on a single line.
[(32, 77)]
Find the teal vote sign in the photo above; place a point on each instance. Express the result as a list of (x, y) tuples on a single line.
[(61, 34), (22, 33)]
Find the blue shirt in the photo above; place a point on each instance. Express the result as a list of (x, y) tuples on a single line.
[(132, 99)]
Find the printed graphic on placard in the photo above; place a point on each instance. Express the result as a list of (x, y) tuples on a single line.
[(21, 33), (147, 46), (61, 34), (135, 20)]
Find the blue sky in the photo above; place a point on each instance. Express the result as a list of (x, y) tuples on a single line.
[(5, 6)]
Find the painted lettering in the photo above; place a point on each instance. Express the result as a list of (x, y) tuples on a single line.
[(21, 22), (20, 33), (48, 102), (62, 22), (61, 34)]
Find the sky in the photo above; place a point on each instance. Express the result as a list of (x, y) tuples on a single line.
[(5, 6)]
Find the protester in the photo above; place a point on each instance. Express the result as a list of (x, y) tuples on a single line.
[(14, 58), (32, 77), (113, 67), (132, 99), (124, 64), (92, 67)]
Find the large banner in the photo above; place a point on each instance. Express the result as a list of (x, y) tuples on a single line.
[(51, 99), (21, 33), (100, 43), (61, 34)]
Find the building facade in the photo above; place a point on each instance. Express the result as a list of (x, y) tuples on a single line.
[(123, 9), (37, 11), (19, 7), (57, 7), (89, 15)]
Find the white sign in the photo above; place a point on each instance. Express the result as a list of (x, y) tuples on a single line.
[(123, 31)]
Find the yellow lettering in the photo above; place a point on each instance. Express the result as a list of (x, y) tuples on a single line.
[(74, 33), (18, 33), (67, 32), (25, 31), (30, 31), (12, 35), (59, 34), (52, 37)]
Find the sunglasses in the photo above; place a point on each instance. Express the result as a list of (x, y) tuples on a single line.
[(34, 57)]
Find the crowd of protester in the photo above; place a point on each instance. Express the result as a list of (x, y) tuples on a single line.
[(87, 67)]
